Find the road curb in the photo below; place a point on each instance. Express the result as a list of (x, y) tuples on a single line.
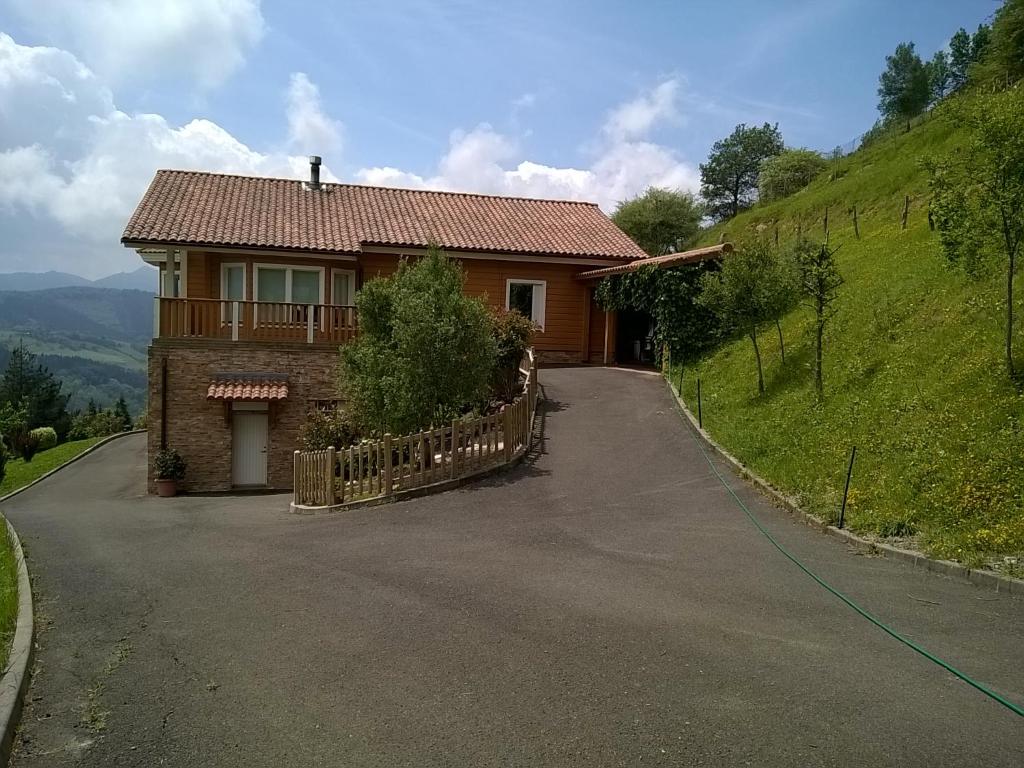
[(14, 682), (59, 467), (981, 578)]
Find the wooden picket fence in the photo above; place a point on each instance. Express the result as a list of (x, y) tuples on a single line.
[(380, 468)]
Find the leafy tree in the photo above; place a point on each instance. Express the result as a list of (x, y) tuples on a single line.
[(959, 58), (903, 88), (980, 42), (1003, 62), (819, 284), (729, 177), (660, 220), (978, 193), (939, 77), (3, 461), (324, 429), (13, 419), (746, 292), (789, 172), (425, 353), (25, 381), (121, 413)]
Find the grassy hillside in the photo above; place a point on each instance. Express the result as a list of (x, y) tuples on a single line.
[(914, 372)]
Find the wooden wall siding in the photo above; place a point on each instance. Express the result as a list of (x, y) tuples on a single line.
[(565, 330)]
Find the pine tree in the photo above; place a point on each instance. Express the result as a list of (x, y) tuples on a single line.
[(121, 413), (959, 58), (26, 381), (903, 88)]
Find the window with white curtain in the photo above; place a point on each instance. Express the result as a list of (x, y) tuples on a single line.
[(296, 285), (528, 298)]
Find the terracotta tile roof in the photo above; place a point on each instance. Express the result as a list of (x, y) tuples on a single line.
[(253, 387), (668, 260), (194, 208)]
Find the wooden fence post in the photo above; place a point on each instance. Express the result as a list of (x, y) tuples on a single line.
[(506, 431), (387, 464), (296, 491), (329, 475), (456, 442), (906, 210), (856, 225)]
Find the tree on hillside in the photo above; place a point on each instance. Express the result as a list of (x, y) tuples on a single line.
[(660, 220), (745, 293), (959, 58), (122, 415), (939, 77), (729, 177), (425, 352), (980, 42), (819, 283), (789, 172), (978, 193), (1003, 62), (26, 381), (903, 88)]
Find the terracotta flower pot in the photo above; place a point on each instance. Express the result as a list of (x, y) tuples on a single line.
[(166, 488)]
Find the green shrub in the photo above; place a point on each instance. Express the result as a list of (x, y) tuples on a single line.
[(169, 465), (13, 420), (142, 420), (47, 437), (511, 331), (26, 445), (425, 353), (3, 461), (784, 174), (323, 429)]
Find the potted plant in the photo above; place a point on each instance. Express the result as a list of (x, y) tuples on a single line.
[(170, 469)]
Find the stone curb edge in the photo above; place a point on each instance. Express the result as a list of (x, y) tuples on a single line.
[(14, 682), (945, 567), (72, 460)]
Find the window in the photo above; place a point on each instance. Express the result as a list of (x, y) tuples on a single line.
[(527, 298), (343, 290), (232, 282), (296, 285)]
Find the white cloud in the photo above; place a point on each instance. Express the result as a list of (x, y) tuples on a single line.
[(635, 119), (309, 129), (74, 163), (205, 40), (623, 163)]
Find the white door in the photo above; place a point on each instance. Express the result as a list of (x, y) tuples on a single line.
[(249, 448)]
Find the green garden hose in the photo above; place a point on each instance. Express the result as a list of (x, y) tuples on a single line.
[(1016, 709)]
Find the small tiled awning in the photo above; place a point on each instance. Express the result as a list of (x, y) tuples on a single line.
[(248, 387)]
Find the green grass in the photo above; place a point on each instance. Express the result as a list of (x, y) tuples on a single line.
[(914, 373), (20, 474), (8, 594)]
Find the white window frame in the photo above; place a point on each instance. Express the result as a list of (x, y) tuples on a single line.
[(224, 280), (288, 268), (352, 278), (540, 298)]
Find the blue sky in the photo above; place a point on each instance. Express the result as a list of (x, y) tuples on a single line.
[(590, 100)]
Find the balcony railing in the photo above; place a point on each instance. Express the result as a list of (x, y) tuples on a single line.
[(177, 318)]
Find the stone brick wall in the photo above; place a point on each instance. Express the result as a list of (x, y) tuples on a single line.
[(201, 430)]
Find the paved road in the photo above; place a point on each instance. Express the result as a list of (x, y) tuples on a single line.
[(604, 604)]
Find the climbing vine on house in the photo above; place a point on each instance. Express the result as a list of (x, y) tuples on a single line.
[(669, 296)]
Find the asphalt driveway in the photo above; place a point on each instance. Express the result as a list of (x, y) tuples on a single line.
[(604, 604)]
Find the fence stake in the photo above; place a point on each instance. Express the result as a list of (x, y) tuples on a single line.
[(506, 429), (856, 225), (700, 415), (329, 460), (846, 490), (906, 210), (388, 458), (679, 387), (296, 489)]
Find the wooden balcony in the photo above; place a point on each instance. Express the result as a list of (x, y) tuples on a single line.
[(177, 318)]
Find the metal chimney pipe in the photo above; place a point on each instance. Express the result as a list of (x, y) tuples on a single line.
[(314, 172)]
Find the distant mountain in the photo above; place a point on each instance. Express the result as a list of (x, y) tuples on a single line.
[(86, 312), (35, 281), (141, 279)]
